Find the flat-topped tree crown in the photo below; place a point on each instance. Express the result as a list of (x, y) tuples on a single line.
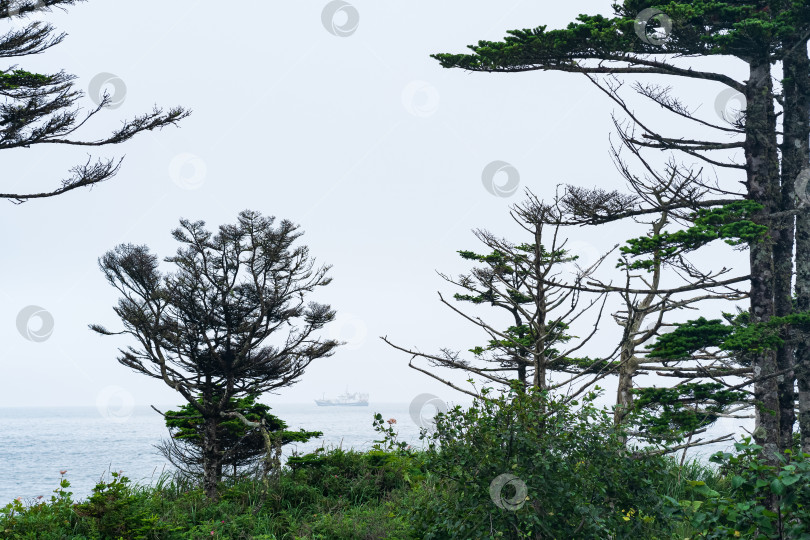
[(638, 33)]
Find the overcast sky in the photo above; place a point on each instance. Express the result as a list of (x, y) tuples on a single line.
[(362, 139)]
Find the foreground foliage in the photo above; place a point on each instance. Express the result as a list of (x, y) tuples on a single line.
[(522, 465), (527, 466), (763, 500), (342, 495)]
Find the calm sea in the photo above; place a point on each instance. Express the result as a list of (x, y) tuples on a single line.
[(37, 443)]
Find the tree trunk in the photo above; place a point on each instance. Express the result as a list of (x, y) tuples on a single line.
[(212, 459), (795, 160), (763, 184), (521, 369), (635, 318), (624, 394)]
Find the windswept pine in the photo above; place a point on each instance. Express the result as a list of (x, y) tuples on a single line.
[(231, 321)]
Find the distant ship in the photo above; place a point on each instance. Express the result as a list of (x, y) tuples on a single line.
[(344, 400)]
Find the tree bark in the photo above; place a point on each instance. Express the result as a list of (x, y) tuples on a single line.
[(795, 160), (624, 394), (763, 182), (212, 459)]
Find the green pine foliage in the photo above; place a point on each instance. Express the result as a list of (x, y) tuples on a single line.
[(730, 223), (702, 27), (242, 446), (18, 78), (689, 337), (668, 414)]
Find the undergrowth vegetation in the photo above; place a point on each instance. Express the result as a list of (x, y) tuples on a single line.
[(517, 466)]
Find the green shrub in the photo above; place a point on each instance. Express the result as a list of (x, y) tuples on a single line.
[(763, 500), (116, 511), (40, 519), (529, 466)]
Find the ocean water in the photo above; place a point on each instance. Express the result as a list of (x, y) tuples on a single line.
[(38, 443)]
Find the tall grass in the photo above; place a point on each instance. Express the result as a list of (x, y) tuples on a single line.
[(340, 495)]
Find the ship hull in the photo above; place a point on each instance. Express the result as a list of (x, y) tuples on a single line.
[(322, 403)]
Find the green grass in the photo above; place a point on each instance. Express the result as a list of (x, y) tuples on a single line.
[(345, 494), (338, 495)]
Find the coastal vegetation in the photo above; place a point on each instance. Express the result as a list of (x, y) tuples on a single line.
[(534, 456), (499, 469)]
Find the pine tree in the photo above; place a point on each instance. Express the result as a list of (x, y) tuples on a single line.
[(654, 38), (230, 321), (42, 109)]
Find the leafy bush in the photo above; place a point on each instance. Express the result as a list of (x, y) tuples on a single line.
[(525, 465), (115, 512), (763, 499), (38, 518)]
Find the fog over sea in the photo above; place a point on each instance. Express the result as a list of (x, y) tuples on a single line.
[(39, 442)]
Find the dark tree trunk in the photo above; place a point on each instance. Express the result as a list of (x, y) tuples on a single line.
[(763, 181), (795, 159), (521, 369), (212, 458)]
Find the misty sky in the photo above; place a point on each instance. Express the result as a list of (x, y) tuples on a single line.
[(364, 140)]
